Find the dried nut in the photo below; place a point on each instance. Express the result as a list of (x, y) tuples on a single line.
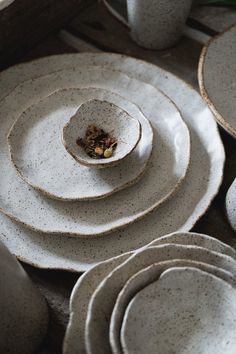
[(99, 151), (108, 152)]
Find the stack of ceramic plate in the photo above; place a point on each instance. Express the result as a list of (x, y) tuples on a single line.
[(177, 295), (58, 213)]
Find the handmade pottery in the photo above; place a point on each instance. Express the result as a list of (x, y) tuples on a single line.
[(142, 279), (166, 171), (103, 300), (185, 311), (109, 117), (24, 313), (36, 149), (216, 75), (74, 342), (5, 3), (154, 24), (231, 205), (202, 181)]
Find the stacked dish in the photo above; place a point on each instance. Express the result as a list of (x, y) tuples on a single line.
[(177, 295), (161, 183)]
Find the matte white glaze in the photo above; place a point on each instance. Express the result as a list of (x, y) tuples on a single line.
[(40, 157)]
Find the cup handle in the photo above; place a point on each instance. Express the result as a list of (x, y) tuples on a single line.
[(116, 14)]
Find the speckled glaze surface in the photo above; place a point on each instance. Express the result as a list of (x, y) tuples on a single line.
[(74, 342), (27, 206), (36, 148), (113, 120), (24, 313), (216, 75), (201, 318), (230, 204), (142, 279), (103, 300), (155, 24), (202, 181)]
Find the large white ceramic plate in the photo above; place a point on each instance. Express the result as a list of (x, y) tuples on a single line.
[(185, 311), (74, 342), (103, 300), (41, 159), (217, 78), (180, 213), (33, 209), (231, 205)]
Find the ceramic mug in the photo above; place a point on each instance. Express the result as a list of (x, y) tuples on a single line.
[(155, 24)]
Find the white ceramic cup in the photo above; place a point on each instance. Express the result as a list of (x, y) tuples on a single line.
[(155, 24)]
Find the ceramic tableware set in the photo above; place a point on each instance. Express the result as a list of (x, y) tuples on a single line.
[(177, 295), (62, 209)]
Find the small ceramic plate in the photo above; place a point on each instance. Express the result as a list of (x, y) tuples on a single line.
[(74, 342), (179, 213), (231, 205), (103, 300), (41, 159), (166, 171), (217, 79), (185, 311), (105, 115), (142, 279)]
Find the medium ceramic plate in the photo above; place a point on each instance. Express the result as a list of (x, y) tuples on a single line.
[(142, 279), (231, 205), (166, 170), (185, 311), (103, 300), (74, 342), (180, 213), (217, 79), (40, 157)]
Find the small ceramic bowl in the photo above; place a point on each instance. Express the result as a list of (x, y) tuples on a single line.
[(113, 120)]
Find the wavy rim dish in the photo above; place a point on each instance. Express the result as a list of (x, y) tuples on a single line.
[(218, 69), (68, 180), (201, 316), (166, 172), (74, 254), (125, 128), (103, 300), (74, 342), (144, 278)]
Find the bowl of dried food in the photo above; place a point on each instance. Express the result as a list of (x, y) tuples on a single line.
[(100, 134)]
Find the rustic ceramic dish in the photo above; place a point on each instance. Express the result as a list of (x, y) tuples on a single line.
[(231, 205), (201, 318), (109, 117), (74, 342), (142, 279), (166, 171), (202, 181), (24, 313), (38, 129), (216, 75), (103, 300)]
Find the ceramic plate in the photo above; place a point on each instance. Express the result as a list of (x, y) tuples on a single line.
[(185, 311), (5, 3), (29, 207), (103, 300), (231, 205), (74, 342), (201, 183), (217, 78), (142, 279), (40, 157)]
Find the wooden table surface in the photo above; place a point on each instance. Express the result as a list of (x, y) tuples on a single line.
[(94, 29)]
